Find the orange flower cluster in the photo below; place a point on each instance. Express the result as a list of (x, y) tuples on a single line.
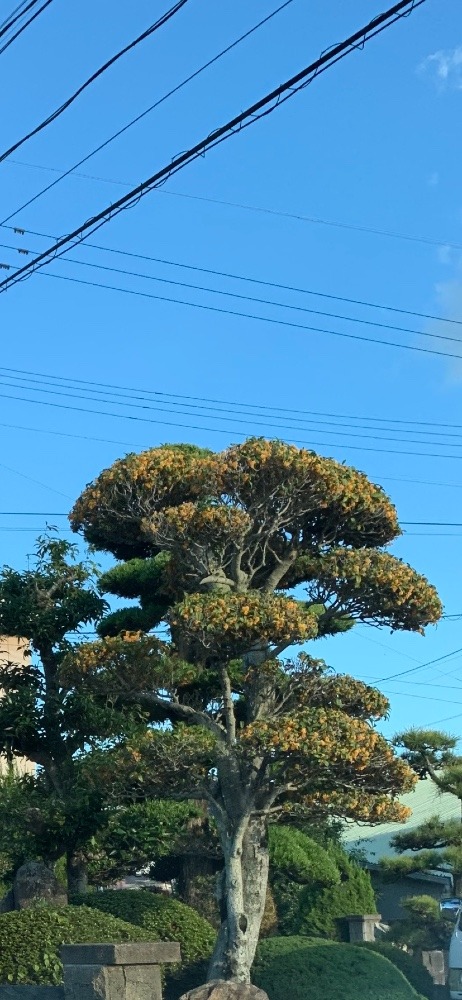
[(356, 804), (129, 661), (233, 623), (188, 523), (248, 476), (385, 587)]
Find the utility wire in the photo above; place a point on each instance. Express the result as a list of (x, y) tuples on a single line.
[(251, 298), (148, 111), (28, 269), (94, 76), (242, 407), (244, 119), (236, 277), (420, 666), (296, 217), (16, 15), (24, 26), (156, 406), (218, 430)]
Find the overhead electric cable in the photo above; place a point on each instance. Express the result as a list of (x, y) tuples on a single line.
[(215, 430), (16, 16), (165, 406), (19, 275), (234, 277), (147, 111), (296, 217), (421, 666), (184, 401), (94, 76), (24, 26), (244, 119), (252, 298)]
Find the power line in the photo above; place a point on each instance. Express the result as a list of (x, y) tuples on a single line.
[(16, 15), (251, 298), (296, 217), (138, 118), (257, 110), (219, 430), (25, 25), (171, 406), (420, 666), (37, 482), (246, 278), (234, 312), (166, 406), (94, 76), (241, 406)]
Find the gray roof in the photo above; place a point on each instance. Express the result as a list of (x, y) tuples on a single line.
[(425, 801)]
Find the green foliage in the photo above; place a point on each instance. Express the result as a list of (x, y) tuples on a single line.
[(135, 578), (426, 750), (424, 927), (298, 858), (30, 940), (135, 835), (301, 968), (336, 887), (410, 965), (165, 918)]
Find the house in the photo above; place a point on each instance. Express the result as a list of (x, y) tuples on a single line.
[(371, 843), (13, 650)]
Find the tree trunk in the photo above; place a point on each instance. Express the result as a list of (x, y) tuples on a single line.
[(457, 883), (242, 902), (77, 874)]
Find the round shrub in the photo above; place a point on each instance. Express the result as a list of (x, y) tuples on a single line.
[(30, 939), (409, 965), (165, 919), (302, 967), (320, 912)]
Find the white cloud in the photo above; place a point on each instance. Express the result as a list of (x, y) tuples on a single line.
[(446, 65)]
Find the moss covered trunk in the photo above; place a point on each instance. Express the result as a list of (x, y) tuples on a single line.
[(77, 873), (242, 900)]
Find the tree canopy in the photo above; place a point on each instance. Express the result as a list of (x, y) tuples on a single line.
[(217, 547)]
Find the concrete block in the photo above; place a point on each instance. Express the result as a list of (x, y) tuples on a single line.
[(112, 982), (136, 953)]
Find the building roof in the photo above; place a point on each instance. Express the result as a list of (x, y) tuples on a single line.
[(425, 801)]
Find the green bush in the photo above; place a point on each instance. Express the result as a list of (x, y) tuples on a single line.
[(30, 939), (424, 926), (409, 965), (168, 920), (317, 912), (299, 967), (165, 919)]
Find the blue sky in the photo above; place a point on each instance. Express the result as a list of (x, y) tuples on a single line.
[(373, 146)]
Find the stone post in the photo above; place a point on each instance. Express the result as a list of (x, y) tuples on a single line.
[(116, 971), (362, 928)]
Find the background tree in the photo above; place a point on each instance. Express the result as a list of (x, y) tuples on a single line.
[(253, 736), (436, 843), (41, 719)]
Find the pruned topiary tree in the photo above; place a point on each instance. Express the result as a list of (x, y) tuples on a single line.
[(229, 539)]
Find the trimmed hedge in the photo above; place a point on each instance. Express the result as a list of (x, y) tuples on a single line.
[(165, 919), (30, 940), (321, 911), (409, 965), (302, 967), (168, 920)]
